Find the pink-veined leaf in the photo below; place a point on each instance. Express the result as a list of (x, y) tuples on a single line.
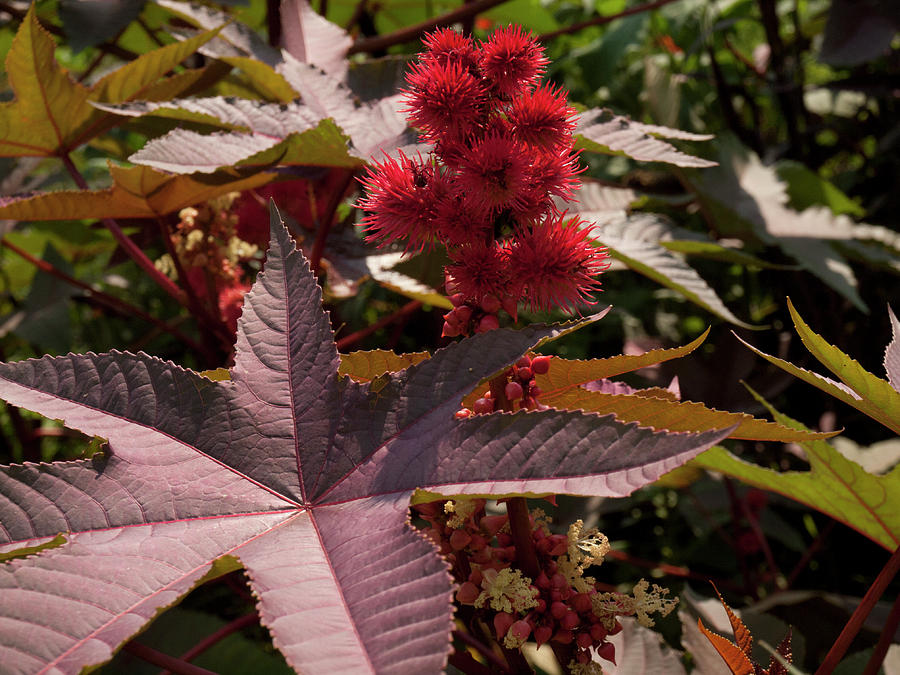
[(892, 353), (311, 38), (300, 474), (599, 130)]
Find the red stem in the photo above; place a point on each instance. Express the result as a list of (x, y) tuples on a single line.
[(482, 649), (837, 651), (410, 33), (520, 529), (323, 227), (811, 550), (353, 338), (214, 638), (600, 20), (132, 249), (158, 658), (111, 301), (888, 630)]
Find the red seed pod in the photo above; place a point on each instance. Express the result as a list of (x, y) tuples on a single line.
[(476, 577), (524, 362), (524, 374), (534, 391), (504, 539), (482, 556), (551, 567), (514, 391), (488, 322), (521, 629), (492, 524), (502, 623), (584, 640), (542, 581), (617, 628), (583, 656), (598, 632), (541, 606), (507, 553), (542, 546), (477, 542), (558, 610), (490, 304), (556, 596), (467, 593), (607, 652), (558, 544), (459, 539), (570, 620), (450, 330), (538, 534), (558, 581), (542, 634), (582, 603), (483, 406), (457, 299), (462, 413), (564, 636), (463, 314), (540, 365)]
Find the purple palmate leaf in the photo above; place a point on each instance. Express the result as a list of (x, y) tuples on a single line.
[(301, 475)]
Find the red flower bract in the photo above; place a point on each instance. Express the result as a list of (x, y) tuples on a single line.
[(555, 263), (511, 59), (478, 270), (493, 171), (444, 99), (543, 118), (401, 201), (445, 45)]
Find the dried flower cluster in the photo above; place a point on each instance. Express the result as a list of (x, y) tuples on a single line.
[(562, 605), (211, 251), (502, 150)]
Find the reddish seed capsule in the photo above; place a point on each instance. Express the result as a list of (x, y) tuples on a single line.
[(476, 577), (558, 610), (504, 539), (524, 374), (564, 636), (450, 330), (488, 322), (524, 362), (607, 651), (542, 581), (584, 640), (462, 314), (598, 632), (490, 304), (457, 299), (483, 406), (583, 656), (492, 524), (540, 364), (459, 539), (617, 628), (477, 542), (557, 544), (467, 593), (570, 620), (502, 623), (521, 629), (514, 391), (534, 391), (582, 603), (558, 581), (462, 413), (541, 606), (542, 634)]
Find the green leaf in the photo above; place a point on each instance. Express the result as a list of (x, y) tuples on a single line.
[(659, 413), (807, 188), (834, 485), (858, 387), (25, 551), (52, 114), (137, 192), (363, 366)]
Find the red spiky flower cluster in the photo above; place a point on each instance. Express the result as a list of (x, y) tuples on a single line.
[(502, 151)]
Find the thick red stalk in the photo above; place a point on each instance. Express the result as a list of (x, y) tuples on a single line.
[(157, 658), (837, 651), (353, 338), (410, 33), (888, 630), (214, 638), (323, 228), (132, 249)]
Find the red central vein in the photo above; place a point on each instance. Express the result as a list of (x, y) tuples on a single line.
[(287, 340)]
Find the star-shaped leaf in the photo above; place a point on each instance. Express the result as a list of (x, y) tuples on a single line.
[(52, 114), (302, 475)]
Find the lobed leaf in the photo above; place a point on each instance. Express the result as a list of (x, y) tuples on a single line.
[(599, 130), (892, 353), (136, 192), (859, 388), (736, 660), (637, 241), (367, 365), (52, 114), (834, 485), (302, 475)]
